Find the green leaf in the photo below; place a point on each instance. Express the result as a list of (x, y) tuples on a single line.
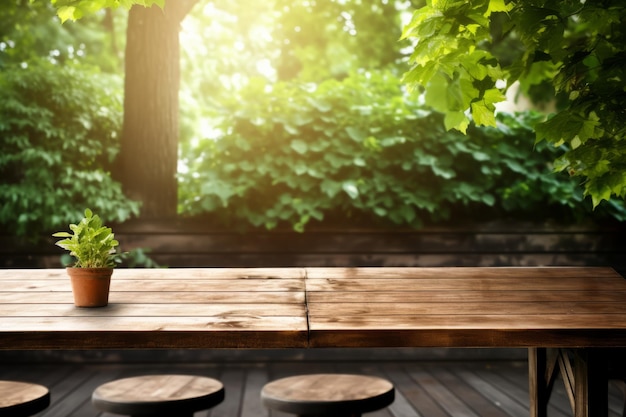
[(320, 105), (437, 93), (480, 156), (330, 188), (67, 13), (407, 213), (299, 146), (380, 211), (488, 199), (92, 244), (300, 168), (493, 96), (351, 189), (563, 126), (483, 114), (355, 134), (598, 192), (456, 120), (76, 9), (498, 6), (360, 162)]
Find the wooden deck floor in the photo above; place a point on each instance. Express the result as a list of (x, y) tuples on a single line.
[(424, 388)]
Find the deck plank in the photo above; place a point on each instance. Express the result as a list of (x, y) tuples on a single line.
[(506, 395), (423, 403), (477, 400), (251, 401)]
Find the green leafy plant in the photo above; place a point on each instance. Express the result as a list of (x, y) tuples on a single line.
[(60, 135), (575, 48), (91, 243), (360, 152)]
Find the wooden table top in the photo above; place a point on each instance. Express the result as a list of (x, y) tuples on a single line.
[(466, 307), (156, 308), (319, 307)]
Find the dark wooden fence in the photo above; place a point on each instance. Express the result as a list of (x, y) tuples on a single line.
[(192, 244)]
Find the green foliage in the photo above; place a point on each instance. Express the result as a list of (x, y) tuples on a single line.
[(76, 9), (329, 39), (59, 127), (31, 30), (134, 258), (457, 75), (576, 47), (90, 242), (138, 258), (226, 42), (27, 30), (359, 149)]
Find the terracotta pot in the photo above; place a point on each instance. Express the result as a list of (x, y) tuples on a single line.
[(90, 286)]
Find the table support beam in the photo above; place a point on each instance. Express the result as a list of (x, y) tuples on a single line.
[(539, 385), (591, 382), (584, 374)]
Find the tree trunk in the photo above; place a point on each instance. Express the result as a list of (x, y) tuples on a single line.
[(147, 163)]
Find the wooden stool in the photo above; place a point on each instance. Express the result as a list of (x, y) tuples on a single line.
[(337, 395), (158, 395), (22, 399)]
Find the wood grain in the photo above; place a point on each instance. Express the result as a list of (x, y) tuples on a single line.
[(166, 273), (155, 388), (161, 297), (18, 393), (466, 307), (148, 284), (157, 308), (320, 307), (461, 272), (328, 394), (156, 395)]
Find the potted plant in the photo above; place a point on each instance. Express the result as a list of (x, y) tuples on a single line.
[(93, 247)]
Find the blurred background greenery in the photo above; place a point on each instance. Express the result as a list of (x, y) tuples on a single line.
[(292, 114)]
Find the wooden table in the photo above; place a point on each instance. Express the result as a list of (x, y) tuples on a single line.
[(567, 317), (156, 308), (572, 311)]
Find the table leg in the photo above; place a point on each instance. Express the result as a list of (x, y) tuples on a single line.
[(591, 383), (584, 373), (541, 367)]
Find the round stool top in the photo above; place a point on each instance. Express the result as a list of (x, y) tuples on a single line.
[(22, 399), (320, 394), (158, 394)]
